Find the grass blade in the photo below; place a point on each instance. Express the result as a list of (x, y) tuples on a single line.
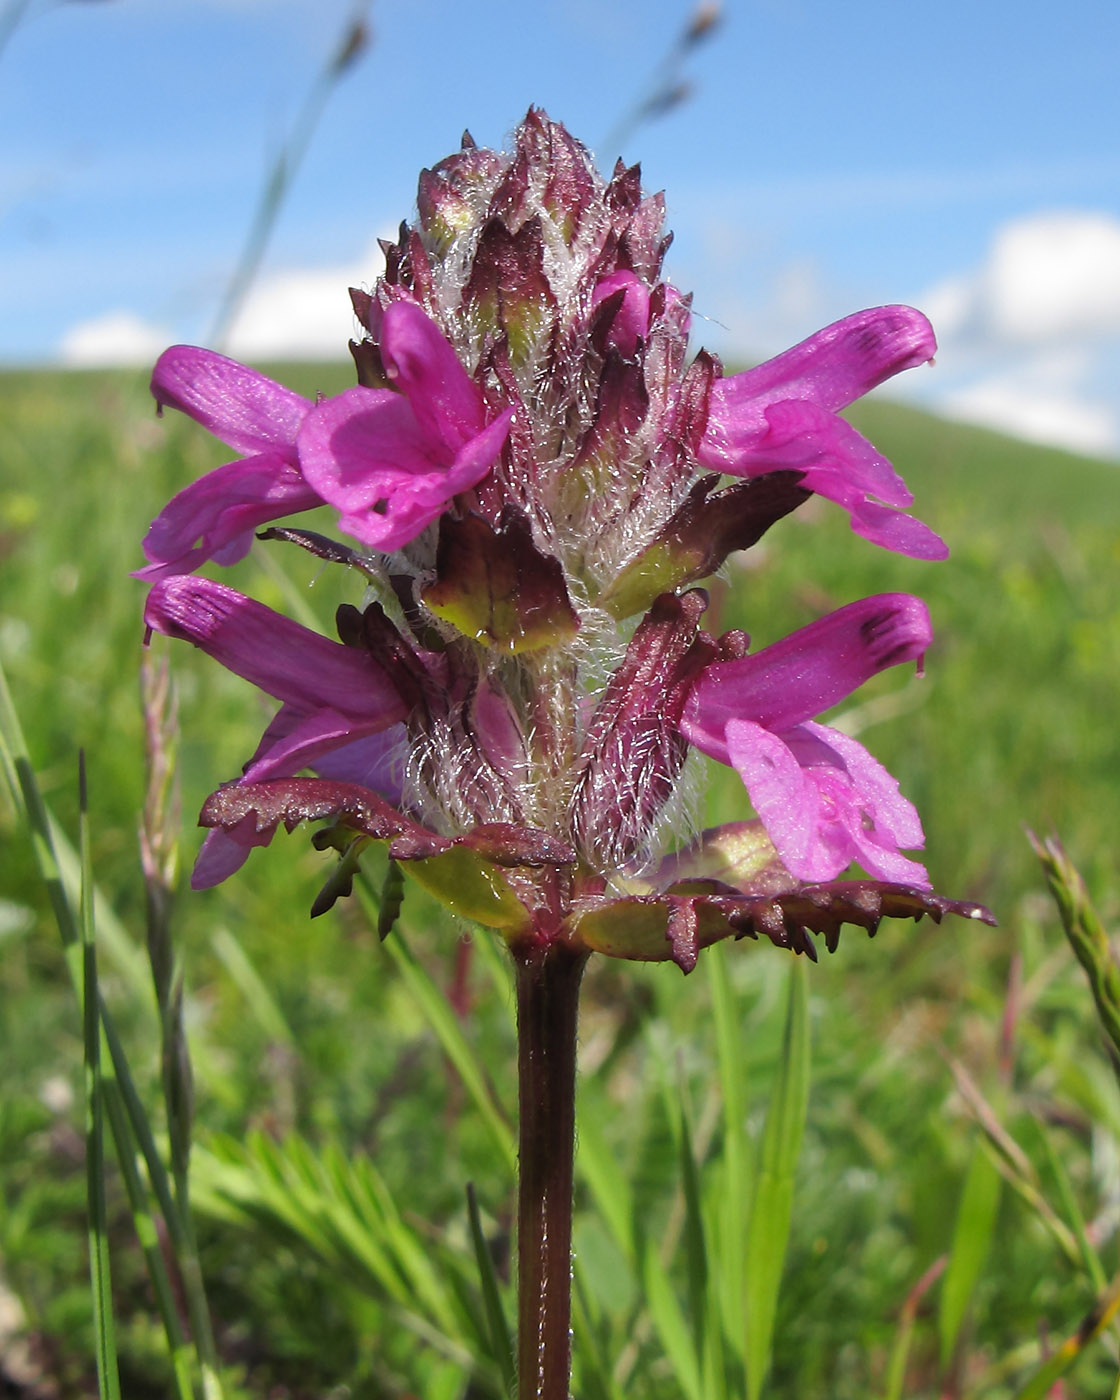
[(108, 1378), (772, 1208), (132, 1129), (735, 1196), (904, 1333), (672, 1326), (501, 1342), (972, 1237), (260, 1001)]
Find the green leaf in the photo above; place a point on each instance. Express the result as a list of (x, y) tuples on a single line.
[(471, 887), (501, 1343), (701, 535), (972, 1238), (772, 1208)]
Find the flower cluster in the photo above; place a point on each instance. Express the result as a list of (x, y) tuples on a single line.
[(534, 478)]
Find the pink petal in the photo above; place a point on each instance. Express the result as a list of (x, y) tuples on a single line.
[(366, 453), (802, 436), (311, 739), (215, 516), (222, 855), (417, 356), (891, 529), (807, 672), (331, 743), (786, 800), (826, 802), (245, 409), (375, 761), (284, 659), (895, 816)]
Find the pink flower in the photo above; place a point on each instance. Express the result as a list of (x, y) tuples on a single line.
[(389, 461), (782, 416), (334, 698), (821, 796)]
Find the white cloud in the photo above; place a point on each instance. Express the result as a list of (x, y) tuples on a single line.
[(302, 313), (117, 338), (1029, 338), (290, 314), (1047, 277), (1042, 399)]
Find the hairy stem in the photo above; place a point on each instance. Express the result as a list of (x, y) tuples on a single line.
[(548, 981)]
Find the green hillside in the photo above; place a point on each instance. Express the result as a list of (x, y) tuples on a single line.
[(1012, 726)]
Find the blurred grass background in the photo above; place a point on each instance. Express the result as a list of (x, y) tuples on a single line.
[(307, 1028)]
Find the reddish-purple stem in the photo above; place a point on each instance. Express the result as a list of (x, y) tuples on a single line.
[(548, 979)]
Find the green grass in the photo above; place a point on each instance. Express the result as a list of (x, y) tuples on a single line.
[(331, 1122)]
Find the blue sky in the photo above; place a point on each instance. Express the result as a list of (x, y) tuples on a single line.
[(964, 157)]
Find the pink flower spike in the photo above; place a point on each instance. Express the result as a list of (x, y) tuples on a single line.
[(247, 410), (279, 656)]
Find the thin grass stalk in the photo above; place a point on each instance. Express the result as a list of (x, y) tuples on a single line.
[(548, 980), (147, 1233), (108, 1374), (666, 88), (904, 1332), (737, 1164), (159, 861), (9, 20)]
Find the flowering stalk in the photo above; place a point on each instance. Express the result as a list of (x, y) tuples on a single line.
[(534, 479), (548, 982)]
